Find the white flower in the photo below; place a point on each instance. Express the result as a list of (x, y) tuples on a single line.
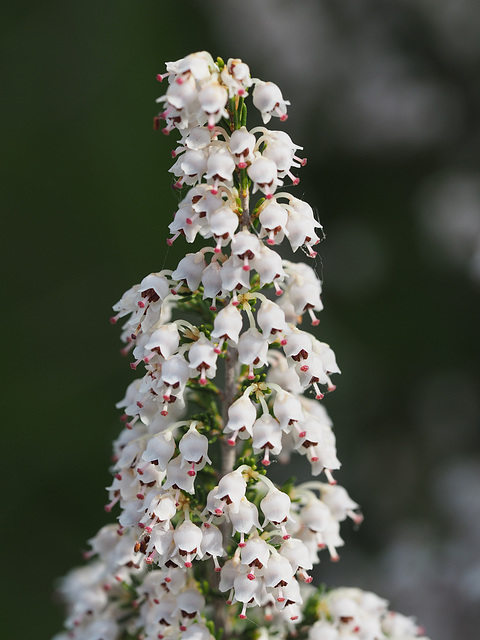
[(268, 99), (241, 144), (187, 538), (263, 173)]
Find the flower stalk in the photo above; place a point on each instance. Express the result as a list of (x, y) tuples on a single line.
[(206, 544)]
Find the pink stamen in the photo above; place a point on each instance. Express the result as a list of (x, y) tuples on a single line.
[(330, 478), (315, 320)]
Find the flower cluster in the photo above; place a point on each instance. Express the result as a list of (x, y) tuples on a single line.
[(221, 398)]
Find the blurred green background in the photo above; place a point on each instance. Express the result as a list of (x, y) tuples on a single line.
[(386, 101)]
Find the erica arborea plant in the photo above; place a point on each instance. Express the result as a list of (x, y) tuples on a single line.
[(206, 545)]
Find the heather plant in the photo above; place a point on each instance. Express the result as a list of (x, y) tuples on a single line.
[(206, 545)]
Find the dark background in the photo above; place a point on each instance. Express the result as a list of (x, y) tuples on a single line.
[(386, 101)]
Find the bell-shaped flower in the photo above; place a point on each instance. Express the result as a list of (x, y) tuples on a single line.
[(227, 325), (268, 99), (273, 219), (230, 570), (190, 167), (223, 223), (236, 77), (231, 489), (193, 448), (246, 246), (255, 554), (276, 509), (340, 504), (160, 448), (246, 591), (199, 65), (268, 265), (187, 538), (241, 144), (263, 173), (241, 415), (220, 168), (212, 99), (185, 222), (271, 320), (153, 288), (212, 544), (278, 573), (234, 276), (301, 226), (266, 436), (289, 594), (252, 350), (191, 603), (190, 269), (305, 296), (163, 341), (287, 410), (299, 345), (178, 477), (298, 555), (203, 359), (175, 373), (243, 517), (212, 283)]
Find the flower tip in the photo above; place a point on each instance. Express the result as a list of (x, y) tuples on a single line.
[(191, 473), (148, 529), (286, 536), (242, 616), (218, 512), (231, 442), (218, 569), (217, 350), (242, 544), (295, 181), (315, 322), (251, 376), (319, 396), (309, 579), (283, 342), (164, 412), (335, 558), (159, 77), (173, 153), (280, 599), (168, 579), (214, 191), (165, 131), (133, 365), (235, 303), (314, 458), (107, 508), (284, 117), (217, 250), (242, 165), (241, 92), (303, 162), (213, 308), (141, 304), (270, 241), (246, 267), (269, 196), (179, 80), (279, 292), (304, 368), (113, 320), (188, 564), (251, 576), (266, 462)]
